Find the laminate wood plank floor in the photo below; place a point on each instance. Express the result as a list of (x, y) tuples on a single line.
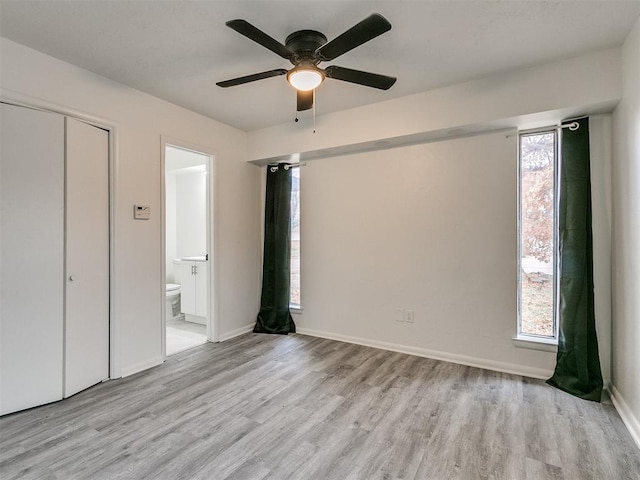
[(303, 408)]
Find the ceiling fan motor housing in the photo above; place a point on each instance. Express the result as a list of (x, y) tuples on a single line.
[(304, 44)]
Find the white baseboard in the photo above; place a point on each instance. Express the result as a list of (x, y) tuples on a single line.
[(504, 367), (139, 367), (628, 418), (236, 332)]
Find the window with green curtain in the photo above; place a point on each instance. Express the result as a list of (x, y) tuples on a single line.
[(577, 369), (274, 315)]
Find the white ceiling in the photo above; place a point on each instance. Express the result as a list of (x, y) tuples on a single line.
[(178, 50)]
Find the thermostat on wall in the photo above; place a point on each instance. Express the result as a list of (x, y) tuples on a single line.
[(141, 212)]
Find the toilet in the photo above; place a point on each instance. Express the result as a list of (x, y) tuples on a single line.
[(173, 300)]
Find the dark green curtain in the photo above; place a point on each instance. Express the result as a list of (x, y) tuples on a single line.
[(578, 365), (274, 316)]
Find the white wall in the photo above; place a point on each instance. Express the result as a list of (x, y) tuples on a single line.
[(429, 228), (537, 96), (626, 239), (432, 228), (142, 120)]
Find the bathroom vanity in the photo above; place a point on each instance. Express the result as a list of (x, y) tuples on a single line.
[(193, 300)]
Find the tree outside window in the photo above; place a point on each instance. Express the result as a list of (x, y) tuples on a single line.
[(537, 226)]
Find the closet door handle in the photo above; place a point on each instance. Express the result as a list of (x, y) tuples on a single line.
[(71, 278)]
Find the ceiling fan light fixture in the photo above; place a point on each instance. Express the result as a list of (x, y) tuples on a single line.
[(305, 78), (305, 49)]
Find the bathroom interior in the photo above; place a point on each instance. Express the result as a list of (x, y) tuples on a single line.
[(187, 256)]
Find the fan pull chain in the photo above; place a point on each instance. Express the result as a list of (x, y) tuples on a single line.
[(314, 111)]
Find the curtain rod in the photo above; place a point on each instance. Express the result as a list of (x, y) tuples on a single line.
[(573, 126), (287, 166)]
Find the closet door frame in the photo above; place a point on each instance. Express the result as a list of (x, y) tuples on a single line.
[(20, 100)]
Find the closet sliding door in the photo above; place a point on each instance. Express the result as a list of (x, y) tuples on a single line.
[(31, 257), (87, 262), (54, 257)]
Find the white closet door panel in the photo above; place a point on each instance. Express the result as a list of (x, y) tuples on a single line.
[(31, 257), (87, 247)]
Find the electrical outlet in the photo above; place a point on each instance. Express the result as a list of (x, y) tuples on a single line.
[(408, 316), (397, 314)]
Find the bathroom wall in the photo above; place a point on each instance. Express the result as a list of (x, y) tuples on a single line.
[(185, 207), (191, 214), (170, 226)]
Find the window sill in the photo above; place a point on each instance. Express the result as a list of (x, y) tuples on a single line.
[(295, 310), (536, 343)]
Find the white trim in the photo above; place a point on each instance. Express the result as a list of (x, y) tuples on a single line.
[(20, 99), (523, 370), (163, 251), (28, 101), (627, 416), (607, 385), (536, 343), (139, 367), (236, 333), (114, 297)]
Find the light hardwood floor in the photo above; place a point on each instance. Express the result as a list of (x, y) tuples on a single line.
[(297, 407)]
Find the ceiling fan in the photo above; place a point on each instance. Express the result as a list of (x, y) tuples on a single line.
[(305, 49)]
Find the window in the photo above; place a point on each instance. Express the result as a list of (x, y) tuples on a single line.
[(294, 296), (537, 237)]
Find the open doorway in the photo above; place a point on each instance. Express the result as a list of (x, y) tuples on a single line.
[(187, 252)]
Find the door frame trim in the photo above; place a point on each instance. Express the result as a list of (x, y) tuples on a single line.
[(21, 100), (213, 325)]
